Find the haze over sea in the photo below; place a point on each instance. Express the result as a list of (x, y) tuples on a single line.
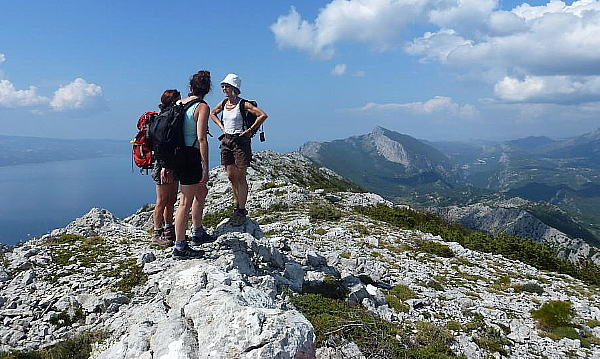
[(37, 198)]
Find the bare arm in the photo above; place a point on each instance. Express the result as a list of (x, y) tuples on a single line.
[(261, 116), (213, 116), (201, 117)]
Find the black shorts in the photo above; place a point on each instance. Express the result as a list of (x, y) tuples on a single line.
[(190, 172), (236, 149)]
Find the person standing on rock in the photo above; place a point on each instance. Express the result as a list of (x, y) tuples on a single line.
[(194, 175), (236, 151), (167, 184)]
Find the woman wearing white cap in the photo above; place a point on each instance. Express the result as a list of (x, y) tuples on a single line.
[(236, 151)]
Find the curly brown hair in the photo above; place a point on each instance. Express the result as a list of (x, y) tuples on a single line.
[(168, 98), (200, 84)]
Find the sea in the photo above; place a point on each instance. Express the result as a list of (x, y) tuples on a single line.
[(37, 198)]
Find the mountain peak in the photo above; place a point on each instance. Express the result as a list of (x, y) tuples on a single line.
[(310, 248)]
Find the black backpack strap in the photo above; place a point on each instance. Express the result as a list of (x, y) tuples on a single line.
[(223, 109), (191, 103), (244, 114)]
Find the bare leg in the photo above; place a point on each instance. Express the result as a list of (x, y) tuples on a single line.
[(162, 200), (198, 206), (171, 188), (239, 185), (185, 204), (232, 175)]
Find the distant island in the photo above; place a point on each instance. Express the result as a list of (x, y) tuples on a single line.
[(16, 150)]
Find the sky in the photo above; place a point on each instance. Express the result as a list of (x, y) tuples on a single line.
[(433, 69)]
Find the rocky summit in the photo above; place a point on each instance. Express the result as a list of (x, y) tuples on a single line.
[(312, 274)]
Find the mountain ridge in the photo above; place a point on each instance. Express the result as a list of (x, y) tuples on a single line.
[(260, 288)]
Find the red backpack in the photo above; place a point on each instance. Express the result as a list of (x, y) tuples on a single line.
[(142, 151)]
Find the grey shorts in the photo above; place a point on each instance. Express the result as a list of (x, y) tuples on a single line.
[(156, 174)]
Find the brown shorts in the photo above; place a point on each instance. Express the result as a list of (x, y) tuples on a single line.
[(236, 150)]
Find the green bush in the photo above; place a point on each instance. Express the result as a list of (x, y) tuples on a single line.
[(346, 255), (402, 292), (211, 220), (554, 314), (65, 238), (320, 231), (269, 185), (64, 319), (492, 340), (324, 212), (522, 249), (130, 278), (435, 285), (331, 287), (530, 287), (335, 320), (434, 248), (433, 339), (592, 323), (78, 347)]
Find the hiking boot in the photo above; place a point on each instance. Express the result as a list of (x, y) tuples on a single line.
[(159, 240), (202, 238), (169, 233), (187, 252), (238, 217)]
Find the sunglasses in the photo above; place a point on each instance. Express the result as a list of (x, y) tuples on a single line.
[(226, 86)]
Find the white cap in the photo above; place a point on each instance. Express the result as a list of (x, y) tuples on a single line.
[(233, 80)]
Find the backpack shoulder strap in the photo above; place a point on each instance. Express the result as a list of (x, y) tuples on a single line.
[(244, 114), (191, 103), (223, 108)]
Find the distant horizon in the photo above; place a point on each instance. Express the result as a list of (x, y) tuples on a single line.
[(265, 146), (458, 71)]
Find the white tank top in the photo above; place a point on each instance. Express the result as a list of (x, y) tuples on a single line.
[(232, 120)]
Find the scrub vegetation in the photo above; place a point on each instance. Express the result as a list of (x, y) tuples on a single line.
[(521, 249)]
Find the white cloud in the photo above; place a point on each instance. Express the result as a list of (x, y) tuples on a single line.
[(359, 73), (554, 44), (527, 42), (78, 95), (376, 23), (555, 89), (2, 58), (11, 97), (338, 70), (437, 105)]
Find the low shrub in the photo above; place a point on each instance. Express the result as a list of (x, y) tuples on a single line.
[(77, 347), (211, 220), (522, 249), (434, 248), (554, 314), (492, 340), (331, 287), (530, 287), (65, 319), (324, 212), (433, 339), (336, 320)]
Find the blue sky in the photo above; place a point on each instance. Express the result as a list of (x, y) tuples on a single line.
[(433, 69)]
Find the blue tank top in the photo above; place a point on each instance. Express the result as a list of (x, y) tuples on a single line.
[(189, 127)]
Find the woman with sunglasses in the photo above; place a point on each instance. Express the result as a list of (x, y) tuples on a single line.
[(236, 151)]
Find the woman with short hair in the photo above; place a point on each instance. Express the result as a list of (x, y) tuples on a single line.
[(236, 151)]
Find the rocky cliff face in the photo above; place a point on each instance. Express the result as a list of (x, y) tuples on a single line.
[(510, 219), (99, 273), (382, 160)]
